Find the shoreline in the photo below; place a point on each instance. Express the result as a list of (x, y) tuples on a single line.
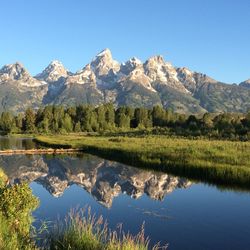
[(226, 164), (39, 151)]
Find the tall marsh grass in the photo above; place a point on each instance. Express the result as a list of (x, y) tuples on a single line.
[(82, 230), (213, 161)]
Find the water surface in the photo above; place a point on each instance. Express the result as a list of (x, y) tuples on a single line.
[(175, 210), (8, 142)]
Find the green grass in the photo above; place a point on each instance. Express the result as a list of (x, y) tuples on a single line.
[(84, 231), (81, 229), (225, 163), (21, 135)]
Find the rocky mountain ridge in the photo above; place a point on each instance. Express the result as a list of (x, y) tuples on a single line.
[(134, 83)]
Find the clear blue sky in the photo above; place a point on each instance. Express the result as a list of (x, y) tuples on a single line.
[(210, 36)]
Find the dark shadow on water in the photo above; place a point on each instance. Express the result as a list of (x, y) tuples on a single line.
[(224, 178)]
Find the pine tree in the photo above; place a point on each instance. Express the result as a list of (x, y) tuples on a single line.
[(29, 121), (77, 128), (158, 116), (7, 123), (67, 124), (19, 122)]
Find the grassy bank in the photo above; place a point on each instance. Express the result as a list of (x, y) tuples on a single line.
[(218, 162)]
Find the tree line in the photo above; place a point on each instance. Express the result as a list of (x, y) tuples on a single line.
[(87, 118)]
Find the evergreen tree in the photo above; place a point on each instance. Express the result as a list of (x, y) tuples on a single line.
[(44, 126), (158, 116), (207, 120), (110, 114), (86, 118), (19, 122), (7, 123), (142, 118), (77, 128), (122, 119), (192, 123), (67, 124), (29, 121), (101, 117)]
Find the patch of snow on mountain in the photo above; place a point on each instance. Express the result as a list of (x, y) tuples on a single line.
[(53, 72)]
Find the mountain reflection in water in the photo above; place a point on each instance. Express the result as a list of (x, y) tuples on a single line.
[(103, 179)]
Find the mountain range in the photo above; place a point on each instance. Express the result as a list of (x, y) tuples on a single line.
[(133, 83)]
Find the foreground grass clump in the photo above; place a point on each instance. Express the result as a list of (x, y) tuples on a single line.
[(16, 204), (213, 161), (83, 231)]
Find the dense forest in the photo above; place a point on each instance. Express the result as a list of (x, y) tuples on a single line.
[(87, 118)]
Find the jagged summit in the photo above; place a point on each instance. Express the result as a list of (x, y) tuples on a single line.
[(103, 63), (185, 71), (245, 84), (18, 74), (134, 83), (14, 71), (53, 72), (106, 52), (135, 61), (130, 65), (164, 73), (158, 59), (83, 76)]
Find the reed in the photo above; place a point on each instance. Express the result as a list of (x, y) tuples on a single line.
[(82, 230)]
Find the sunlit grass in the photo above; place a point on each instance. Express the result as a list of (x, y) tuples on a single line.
[(83, 230), (214, 161)]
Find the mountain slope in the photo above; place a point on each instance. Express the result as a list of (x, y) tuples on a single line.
[(18, 89), (134, 83), (245, 84)]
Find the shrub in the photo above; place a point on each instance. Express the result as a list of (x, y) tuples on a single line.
[(16, 204)]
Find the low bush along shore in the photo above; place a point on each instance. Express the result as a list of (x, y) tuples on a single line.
[(80, 230), (225, 163)]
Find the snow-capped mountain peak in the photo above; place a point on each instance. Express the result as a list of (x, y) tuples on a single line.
[(156, 60), (158, 70), (14, 71), (245, 84), (161, 72), (135, 61), (18, 74), (136, 83), (105, 53), (130, 65), (56, 63), (53, 72), (83, 76), (187, 71), (103, 63)]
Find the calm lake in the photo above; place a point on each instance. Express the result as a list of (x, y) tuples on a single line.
[(177, 211)]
